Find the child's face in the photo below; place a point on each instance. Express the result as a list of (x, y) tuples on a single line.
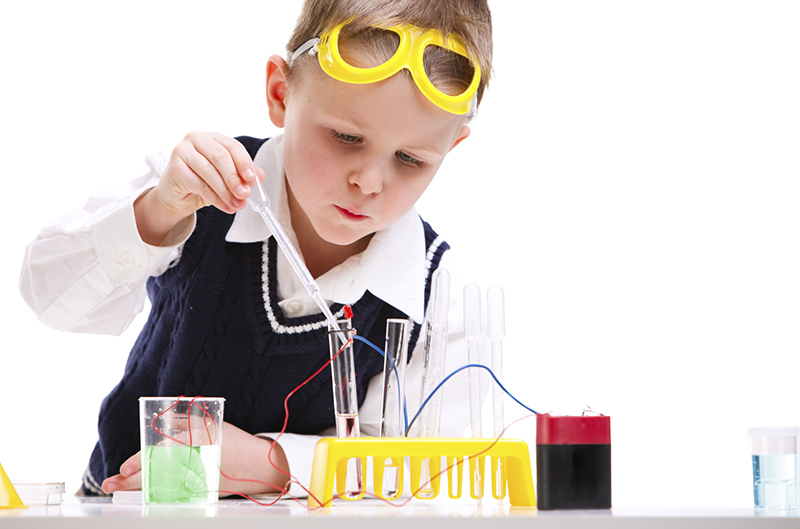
[(357, 157)]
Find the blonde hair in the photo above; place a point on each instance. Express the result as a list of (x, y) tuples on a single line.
[(470, 20)]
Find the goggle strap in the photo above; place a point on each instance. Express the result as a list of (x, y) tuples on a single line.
[(473, 107), (308, 46)]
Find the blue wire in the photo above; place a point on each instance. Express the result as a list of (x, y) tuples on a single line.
[(400, 397), (450, 376)]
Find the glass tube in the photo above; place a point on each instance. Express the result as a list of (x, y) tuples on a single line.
[(345, 397), (259, 201), (434, 353), (392, 398), (394, 370), (472, 332), (496, 332), (433, 369)]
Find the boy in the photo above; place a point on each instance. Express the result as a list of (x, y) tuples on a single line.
[(228, 317)]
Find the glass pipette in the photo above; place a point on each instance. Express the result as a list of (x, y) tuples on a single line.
[(342, 370), (496, 331), (472, 332), (259, 201)]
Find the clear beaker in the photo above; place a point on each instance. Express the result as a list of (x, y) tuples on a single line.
[(181, 448), (774, 452)]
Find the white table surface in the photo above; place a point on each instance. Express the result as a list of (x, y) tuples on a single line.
[(243, 514)]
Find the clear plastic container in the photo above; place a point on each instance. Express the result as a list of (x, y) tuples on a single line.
[(181, 448), (774, 455), (32, 493)]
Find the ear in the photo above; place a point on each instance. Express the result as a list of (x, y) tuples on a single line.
[(462, 135), (276, 89)]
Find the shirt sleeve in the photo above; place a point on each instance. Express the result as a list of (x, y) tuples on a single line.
[(87, 271)]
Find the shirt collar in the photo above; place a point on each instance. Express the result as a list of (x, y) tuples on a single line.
[(393, 267)]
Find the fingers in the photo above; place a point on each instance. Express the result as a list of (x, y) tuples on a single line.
[(224, 167), (132, 465), (129, 478), (210, 169)]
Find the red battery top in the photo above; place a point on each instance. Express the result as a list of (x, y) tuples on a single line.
[(568, 430)]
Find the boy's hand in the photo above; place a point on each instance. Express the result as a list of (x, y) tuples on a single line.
[(205, 169), (129, 477), (244, 461)]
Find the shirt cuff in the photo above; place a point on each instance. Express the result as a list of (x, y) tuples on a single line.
[(121, 251), (299, 450)]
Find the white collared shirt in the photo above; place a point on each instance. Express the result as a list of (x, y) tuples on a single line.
[(87, 273)]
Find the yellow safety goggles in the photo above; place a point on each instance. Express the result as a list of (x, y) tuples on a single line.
[(409, 55)]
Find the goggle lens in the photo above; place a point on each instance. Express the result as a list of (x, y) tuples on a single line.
[(415, 50)]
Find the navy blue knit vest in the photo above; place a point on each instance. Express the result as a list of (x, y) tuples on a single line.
[(212, 331)]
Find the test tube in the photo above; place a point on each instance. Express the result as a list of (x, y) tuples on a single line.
[(496, 331), (434, 352), (472, 332), (433, 371), (392, 398), (394, 370), (345, 397)]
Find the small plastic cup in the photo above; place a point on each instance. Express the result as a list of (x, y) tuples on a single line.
[(181, 449), (775, 480)]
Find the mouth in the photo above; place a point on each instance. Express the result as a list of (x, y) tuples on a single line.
[(351, 215)]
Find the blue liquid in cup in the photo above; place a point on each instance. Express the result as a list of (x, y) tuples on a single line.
[(775, 481)]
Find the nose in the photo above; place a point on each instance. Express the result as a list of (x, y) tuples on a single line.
[(367, 177)]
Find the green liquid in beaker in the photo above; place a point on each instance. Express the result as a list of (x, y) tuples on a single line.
[(180, 474)]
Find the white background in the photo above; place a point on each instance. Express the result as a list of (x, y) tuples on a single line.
[(631, 181)]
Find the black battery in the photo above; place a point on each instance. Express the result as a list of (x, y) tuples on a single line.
[(573, 462)]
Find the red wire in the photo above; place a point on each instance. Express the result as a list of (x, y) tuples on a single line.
[(292, 479), (153, 421), (188, 419)]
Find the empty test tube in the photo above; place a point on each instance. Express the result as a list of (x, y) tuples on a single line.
[(392, 397), (434, 353), (496, 332), (472, 332), (394, 370), (433, 372)]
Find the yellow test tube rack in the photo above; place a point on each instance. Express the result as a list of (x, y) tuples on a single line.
[(331, 457)]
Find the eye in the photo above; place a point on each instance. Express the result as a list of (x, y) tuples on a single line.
[(345, 138), (409, 160)]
